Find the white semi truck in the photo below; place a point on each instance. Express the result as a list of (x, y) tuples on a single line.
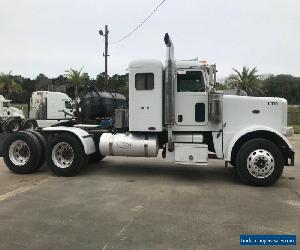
[(175, 108), (46, 108), (49, 108), (10, 117)]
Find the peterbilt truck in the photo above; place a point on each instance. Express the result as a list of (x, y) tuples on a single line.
[(173, 109)]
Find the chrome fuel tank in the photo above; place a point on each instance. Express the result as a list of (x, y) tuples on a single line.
[(129, 144)]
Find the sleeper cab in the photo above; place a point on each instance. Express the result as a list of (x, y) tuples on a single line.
[(146, 96)]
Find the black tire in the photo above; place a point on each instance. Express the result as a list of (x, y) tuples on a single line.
[(13, 125), (96, 157), (78, 155), (259, 145), (30, 124), (22, 124), (43, 144), (29, 166)]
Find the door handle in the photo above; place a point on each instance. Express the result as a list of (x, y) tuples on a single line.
[(180, 118)]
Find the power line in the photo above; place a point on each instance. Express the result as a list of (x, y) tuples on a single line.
[(140, 25)]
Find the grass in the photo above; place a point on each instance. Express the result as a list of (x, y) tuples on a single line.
[(294, 117), (294, 109), (21, 106)]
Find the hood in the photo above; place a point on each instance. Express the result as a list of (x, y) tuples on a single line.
[(16, 112), (243, 111)]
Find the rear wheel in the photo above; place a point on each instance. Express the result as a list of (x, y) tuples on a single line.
[(65, 155), (22, 124), (259, 162), (43, 144), (29, 124), (22, 152), (13, 125)]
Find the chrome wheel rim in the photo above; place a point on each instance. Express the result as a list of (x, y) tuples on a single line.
[(260, 163), (62, 155), (19, 153)]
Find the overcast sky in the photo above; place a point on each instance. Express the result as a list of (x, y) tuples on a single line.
[(50, 36)]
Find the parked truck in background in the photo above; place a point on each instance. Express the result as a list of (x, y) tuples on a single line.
[(10, 117), (49, 108), (173, 107), (45, 108)]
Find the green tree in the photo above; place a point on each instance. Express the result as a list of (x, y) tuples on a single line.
[(118, 83), (221, 86), (285, 86), (76, 77), (247, 80), (8, 86), (100, 81)]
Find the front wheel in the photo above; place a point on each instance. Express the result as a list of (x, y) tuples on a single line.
[(259, 162), (65, 155)]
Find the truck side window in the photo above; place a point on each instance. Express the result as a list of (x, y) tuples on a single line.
[(144, 81), (6, 104), (192, 81), (68, 105)]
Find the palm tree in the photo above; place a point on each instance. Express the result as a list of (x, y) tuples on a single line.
[(76, 77), (247, 80), (8, 86)]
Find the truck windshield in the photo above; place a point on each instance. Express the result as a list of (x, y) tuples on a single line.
[(192, 81), (6, 104), (68, 105)]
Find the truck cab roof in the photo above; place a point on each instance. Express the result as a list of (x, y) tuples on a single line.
[(180, 64)]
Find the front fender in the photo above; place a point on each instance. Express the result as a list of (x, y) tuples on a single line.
[(237, 136), (85, 138)]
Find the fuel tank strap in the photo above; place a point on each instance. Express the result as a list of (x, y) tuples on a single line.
[(146, 146), (110, 146)]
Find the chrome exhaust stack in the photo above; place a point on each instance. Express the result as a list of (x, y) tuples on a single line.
[(169, 112)]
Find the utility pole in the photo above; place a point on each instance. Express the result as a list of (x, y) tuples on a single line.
[(105, 54)]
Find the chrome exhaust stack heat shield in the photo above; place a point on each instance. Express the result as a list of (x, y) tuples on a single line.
[(169, 91), (169, 83), (128, 144)]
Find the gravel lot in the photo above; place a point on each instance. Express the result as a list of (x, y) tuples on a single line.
[(125, 203)]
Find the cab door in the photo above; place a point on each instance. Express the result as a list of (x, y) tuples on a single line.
[(191, 99)]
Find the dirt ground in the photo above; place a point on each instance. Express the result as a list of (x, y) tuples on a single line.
[(125, 203)]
